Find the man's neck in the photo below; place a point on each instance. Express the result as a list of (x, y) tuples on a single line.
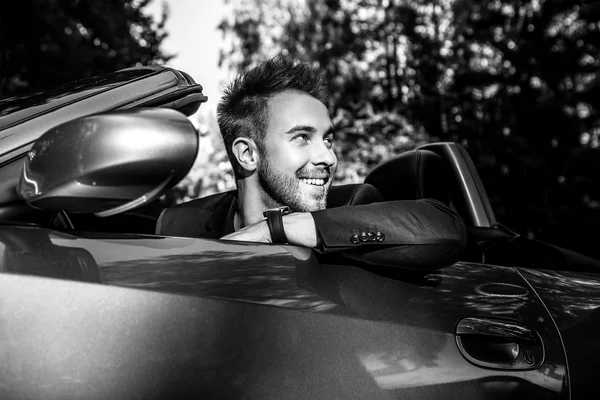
[(250, 205)]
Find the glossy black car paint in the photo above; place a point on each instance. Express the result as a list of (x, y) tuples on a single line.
[(368, 331), (87, 311)]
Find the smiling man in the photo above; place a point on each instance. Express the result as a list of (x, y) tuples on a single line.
[(280, 140), (290, 162), (300, 164)]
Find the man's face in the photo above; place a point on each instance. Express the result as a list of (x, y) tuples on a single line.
[(299, 163)]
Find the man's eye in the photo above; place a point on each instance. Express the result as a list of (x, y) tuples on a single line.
[(328, 141), (301, 137)]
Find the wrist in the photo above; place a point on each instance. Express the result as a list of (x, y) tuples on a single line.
[(274, 219), (266, 234), (300, 229)]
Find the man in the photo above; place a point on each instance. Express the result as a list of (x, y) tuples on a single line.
[(279, 138)]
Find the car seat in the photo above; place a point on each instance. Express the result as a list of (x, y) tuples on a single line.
[(412, 175)]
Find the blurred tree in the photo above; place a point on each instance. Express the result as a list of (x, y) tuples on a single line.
[(344, 38), (527, 102), (47, 42)]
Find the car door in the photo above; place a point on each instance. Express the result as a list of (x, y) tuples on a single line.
[(565, 281), (467, 331), (568, 283)]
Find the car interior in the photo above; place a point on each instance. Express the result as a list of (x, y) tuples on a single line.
[(414, 174), (441, 171)]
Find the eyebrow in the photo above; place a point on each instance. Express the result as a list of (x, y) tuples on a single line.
[(309, 129)]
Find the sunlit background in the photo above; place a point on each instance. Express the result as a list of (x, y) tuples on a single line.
[(516, 82)]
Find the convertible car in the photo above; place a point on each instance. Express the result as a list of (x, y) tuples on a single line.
[(95, 304)]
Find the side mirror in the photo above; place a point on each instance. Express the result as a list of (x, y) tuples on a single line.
[(109, 163)]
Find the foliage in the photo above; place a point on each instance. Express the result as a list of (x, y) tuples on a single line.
[(531, 95), (211, 172), (48, 42), (365, 140), (516, 81)]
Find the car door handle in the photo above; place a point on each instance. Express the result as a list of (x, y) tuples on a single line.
[(499, 344)]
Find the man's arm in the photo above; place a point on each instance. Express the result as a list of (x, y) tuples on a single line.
[(420, 233), (409, 233), (299, 228)]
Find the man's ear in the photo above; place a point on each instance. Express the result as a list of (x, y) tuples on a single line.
[(246, 153)]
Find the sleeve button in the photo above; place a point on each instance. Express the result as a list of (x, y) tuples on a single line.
[(372, 236), (363, 237), (354, 239), (380, 237)]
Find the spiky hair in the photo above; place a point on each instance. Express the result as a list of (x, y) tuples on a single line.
[(243, 109)]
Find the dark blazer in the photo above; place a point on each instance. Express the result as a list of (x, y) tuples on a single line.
[(422, 233), (210, 217)]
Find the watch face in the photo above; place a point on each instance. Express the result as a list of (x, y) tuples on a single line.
[(283, 210)]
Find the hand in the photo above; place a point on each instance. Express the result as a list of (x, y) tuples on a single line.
[(257, 232)]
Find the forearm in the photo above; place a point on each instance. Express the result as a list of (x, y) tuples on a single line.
[(299, 229), (415, 222), (417, 234), (413, 234)]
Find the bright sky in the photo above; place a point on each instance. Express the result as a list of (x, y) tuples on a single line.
[(194, 38)]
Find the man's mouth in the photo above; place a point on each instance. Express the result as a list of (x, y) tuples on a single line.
[(314, 181)]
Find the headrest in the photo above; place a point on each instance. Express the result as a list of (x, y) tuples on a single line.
[(352, 194), (412, 175)]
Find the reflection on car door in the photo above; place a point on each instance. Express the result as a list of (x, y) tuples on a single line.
[(470, 330)]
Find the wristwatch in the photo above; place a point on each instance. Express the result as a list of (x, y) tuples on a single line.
[(275, 223)]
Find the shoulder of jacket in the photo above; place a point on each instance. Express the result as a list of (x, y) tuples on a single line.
[(208, 203)]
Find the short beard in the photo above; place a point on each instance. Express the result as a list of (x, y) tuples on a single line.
[(282, 190)]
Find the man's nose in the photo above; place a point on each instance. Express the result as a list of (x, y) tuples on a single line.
[(323, 155)]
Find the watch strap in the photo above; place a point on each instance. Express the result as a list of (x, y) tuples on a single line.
[(275, 224)]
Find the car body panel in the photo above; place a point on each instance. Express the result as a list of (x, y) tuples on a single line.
[(397, 330), (65, 340), (573, 300), (71, 340)]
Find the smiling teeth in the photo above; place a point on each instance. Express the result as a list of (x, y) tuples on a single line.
[(316, 182)]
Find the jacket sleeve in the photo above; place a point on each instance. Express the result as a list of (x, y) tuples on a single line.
[(419, 234)]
